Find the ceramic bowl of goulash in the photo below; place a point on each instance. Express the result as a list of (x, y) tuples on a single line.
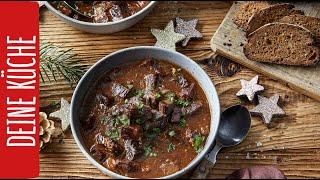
[(102, 17), (145, 112)]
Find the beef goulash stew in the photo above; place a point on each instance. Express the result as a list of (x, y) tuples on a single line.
[(145, 120), (101, 11)]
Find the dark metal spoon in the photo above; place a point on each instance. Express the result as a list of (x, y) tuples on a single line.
[(235, 123), (73, 7)]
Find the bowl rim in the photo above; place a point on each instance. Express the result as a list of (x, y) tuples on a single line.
[(50, 7), (194, 162)]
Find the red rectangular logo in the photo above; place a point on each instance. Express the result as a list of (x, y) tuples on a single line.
[(19, 82)]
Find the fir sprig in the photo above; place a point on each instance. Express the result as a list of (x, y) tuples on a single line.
[(58, 62)]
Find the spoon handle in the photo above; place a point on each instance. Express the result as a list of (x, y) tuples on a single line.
[(206, 165)]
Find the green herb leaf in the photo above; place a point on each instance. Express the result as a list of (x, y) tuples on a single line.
[(171, 147), (139, 93), (183, 123), (186, 103), (140, 105), (148, 152), (158, 95), (157, 130), (125, 121), (171, 97), (130, 86), (114, 134), (198, 141), (171, 133), (126, 101)]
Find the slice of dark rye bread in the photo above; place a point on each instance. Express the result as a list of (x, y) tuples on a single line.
[(282, 43), (246, 10), (311, 23), (269, 15)]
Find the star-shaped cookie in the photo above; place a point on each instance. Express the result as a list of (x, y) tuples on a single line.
[(63, 114), (167, 38), (268, 108), (187, 28), (250, 88)]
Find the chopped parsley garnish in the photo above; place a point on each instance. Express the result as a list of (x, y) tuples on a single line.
[(157, 130), (171, 147), (139, 93), (181, 102), (158, 95), (140, 105), (171, 133), (148, 152), (130, 86), (125, 121), (198, 141), (171, 97), (115, 122), (114, 134), (183, 122)]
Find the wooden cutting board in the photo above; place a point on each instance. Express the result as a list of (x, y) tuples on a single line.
[(229, 39)]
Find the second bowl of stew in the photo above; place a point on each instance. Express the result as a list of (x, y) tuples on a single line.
[(107, 16), (145, 112)]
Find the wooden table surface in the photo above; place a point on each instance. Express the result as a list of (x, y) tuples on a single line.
[(291, 143)]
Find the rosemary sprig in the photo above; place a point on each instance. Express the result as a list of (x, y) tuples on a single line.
[(56, 61)]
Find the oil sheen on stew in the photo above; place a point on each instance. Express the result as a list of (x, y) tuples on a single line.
[(101, 11), (145, 120)]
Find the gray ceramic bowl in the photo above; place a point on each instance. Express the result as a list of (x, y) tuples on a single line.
[(140, 53), (103, 28)]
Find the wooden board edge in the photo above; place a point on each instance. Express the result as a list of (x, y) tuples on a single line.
[(298, 88)]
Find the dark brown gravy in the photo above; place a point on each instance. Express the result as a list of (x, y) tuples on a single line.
[(179, 138)]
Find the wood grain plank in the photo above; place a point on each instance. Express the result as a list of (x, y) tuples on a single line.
[(304, 79)]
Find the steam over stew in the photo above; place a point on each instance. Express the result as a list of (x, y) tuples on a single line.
[(146, 120)]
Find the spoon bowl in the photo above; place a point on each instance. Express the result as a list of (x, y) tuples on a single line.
[(235, 123)]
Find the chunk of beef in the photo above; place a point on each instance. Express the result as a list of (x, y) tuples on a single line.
[(132, 149), (109, 145), (192, 108), (99, 152), (158, 116), (135, 100), (166, 107), (183, 82), (150, 125), (123, 166), (150, 81), (150, 99), (116, 12), (100, 15), (176, 115), (89, 123), (102, 99), (188, 92), (134, 132), (143, 113), (119, 90)]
